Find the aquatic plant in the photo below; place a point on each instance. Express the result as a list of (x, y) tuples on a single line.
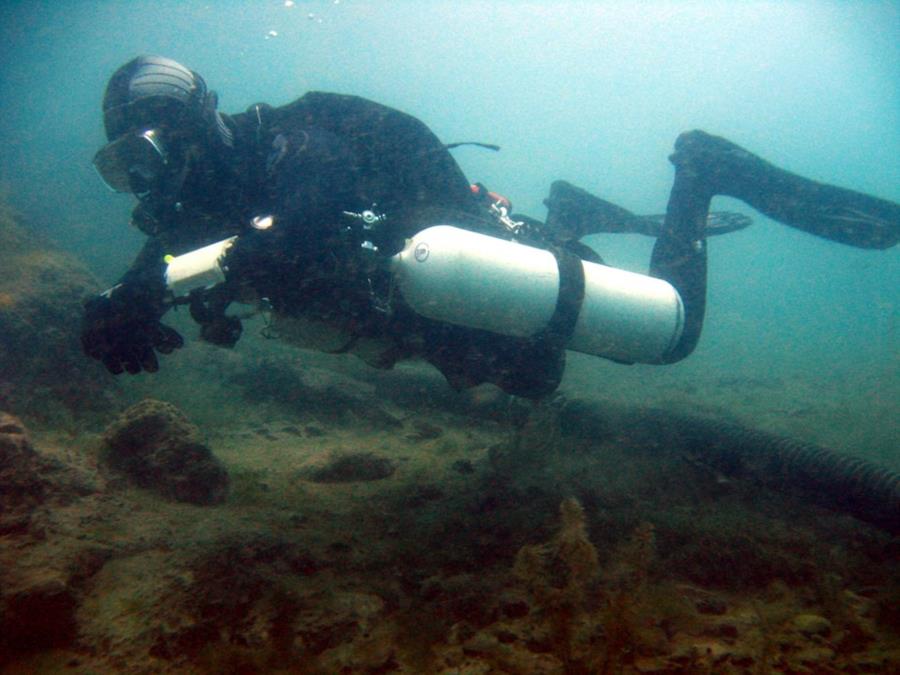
[(624, 607), (558, 575), (600, 615)]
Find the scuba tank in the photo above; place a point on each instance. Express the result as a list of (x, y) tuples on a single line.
[(449, 274)]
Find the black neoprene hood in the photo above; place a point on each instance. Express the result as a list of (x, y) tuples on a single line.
[(151, 91)]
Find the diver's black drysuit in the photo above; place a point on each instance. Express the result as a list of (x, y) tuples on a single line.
[(316, 164), (311, 165)]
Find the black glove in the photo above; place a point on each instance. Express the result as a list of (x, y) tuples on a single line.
[(225, 331), (121, 329), (208, 309)]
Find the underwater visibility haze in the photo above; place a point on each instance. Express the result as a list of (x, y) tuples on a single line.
[(270, 509)]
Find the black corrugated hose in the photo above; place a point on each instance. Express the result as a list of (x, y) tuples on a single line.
[(829, 478)]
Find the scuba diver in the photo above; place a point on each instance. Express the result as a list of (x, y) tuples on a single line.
[(351, 226)]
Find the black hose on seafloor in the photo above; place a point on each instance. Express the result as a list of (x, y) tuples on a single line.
[(841, 482), (831, 479)]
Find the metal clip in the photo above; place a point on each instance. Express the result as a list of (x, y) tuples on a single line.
[(265, 310), (370, 218), (500, 213)]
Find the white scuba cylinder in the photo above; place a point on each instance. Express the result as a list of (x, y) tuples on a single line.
[(449, 274)]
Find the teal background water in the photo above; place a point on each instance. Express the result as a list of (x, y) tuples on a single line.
[(801, 335)]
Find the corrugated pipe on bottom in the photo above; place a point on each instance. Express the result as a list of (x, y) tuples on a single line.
[(831, 479), (834, 480)]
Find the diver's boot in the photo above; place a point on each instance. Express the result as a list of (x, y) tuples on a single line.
[(827, 211)]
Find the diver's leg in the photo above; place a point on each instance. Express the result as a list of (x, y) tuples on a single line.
[(526, 367), (707, 165), (679, 255), (824, 210)]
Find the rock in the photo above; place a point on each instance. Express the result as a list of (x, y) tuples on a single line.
[(42, 565), (324, 394), (158, 449), (39, 617), (463, 466), (704, 601), (42, 583), (260, 589), (812, 624), (726, 630), (44, 373), (349, 468), (425, 431), (852, 638), (21, 488), (30, 477), (872, 663)]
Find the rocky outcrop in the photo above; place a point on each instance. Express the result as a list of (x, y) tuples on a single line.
[(43, 373), (22, 487), (39, 581), (157, 448), (30, 478)]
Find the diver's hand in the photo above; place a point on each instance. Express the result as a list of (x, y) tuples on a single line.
[(123, 332)]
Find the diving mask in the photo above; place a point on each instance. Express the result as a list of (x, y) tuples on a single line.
[(134, 162)]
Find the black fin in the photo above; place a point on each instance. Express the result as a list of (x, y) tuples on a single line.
[(575, 213), (717, 222), (827, 211)]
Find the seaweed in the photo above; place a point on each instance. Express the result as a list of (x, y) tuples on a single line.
[(596, 619)]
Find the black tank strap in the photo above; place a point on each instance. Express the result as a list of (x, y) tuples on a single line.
[(568, 301), (487, 146)]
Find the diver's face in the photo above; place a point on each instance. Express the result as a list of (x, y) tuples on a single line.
[(149, 163)]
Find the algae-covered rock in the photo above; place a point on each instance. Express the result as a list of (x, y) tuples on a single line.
[(348, 468), (159, 449), (40, 574), (38, 616), (20, 489), (812, 624), (30, 478), (43, 371)]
